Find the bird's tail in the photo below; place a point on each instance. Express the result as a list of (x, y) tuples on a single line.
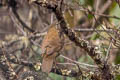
[(47, 64)]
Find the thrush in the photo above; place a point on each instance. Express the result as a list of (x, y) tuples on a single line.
[(51, 44)]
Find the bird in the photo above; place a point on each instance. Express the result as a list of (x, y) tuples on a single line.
[(51, 45)]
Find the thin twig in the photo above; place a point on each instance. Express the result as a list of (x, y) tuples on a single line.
[(88, 65), (16, 22), (108, 51), (91, 30)]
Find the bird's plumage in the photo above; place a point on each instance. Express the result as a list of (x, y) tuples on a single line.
[(50, 46)]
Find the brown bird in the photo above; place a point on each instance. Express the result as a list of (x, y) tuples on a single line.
[(50, 46)]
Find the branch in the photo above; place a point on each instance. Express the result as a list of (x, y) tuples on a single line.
[(14, 15)]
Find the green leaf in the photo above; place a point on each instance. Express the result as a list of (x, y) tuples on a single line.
[(115, 11)]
